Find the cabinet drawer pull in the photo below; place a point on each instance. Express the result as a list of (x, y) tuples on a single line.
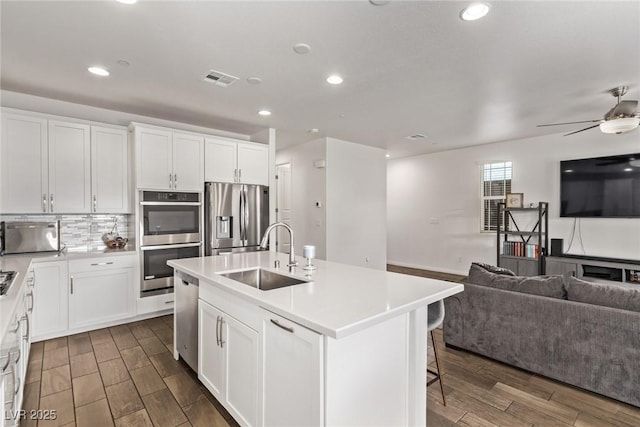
[(221, 340), (175, 180), (30, 295), (169, 302), (239, 175), (51, 203), (286, 328), (95, 203), (44, 203), (17, 386), (26, 334), (170, 181), (71, 282), (16, 328), (17, 358), (101, 263)]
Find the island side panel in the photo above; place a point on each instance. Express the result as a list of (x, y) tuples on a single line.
[(368, 375)]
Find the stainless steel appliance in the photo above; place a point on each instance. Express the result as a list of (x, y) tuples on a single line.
[(186, 312), (169, 229), (6, 279), (22, 237), (236, 217), (169, 218)]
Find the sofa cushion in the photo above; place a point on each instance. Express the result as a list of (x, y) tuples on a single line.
[(493, 269), (546, 286), (617, 295)]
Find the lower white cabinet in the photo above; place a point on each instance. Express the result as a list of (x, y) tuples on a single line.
[(228, 362), (50, 301), (101, 296), (292, 372)]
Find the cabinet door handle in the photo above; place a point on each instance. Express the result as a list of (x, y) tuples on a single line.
[(71, 280), (51, 202), (14, 330), (44, 203), (101, 263), (169, 302), (217, 330), (286, 328), (175, 180), (239, 175), (6, 365), (170, 181), (18, 358), (95, 203), (26, 335), (235, 175)]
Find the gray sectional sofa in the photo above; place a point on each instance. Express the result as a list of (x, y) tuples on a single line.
[(582, 333)]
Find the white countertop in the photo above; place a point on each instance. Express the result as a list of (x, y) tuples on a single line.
[(20, 263), (339, 300)]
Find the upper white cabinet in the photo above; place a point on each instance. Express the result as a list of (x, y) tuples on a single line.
[(239, 162), (188, 162), (109, 170), (167, 160), (24, 164), (69, 167), (53, 166)]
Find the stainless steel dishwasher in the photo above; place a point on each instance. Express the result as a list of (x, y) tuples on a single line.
[(186, 297)]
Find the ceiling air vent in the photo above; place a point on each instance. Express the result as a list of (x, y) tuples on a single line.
[(220, 79), (416, 137)]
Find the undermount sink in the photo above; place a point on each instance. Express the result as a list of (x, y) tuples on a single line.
[(264, 280)]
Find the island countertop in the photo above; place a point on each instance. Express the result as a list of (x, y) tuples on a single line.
[(338, 300)]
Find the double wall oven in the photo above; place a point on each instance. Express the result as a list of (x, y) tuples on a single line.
[(169, 227)]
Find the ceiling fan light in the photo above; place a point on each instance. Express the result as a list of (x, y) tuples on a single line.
[(618, 126)]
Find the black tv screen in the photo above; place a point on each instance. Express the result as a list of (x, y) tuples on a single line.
[(602, 187)]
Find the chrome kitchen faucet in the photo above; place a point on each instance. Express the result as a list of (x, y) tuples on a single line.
[(265, 241)]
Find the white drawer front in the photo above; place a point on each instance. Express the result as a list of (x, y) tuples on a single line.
[(101, 263)]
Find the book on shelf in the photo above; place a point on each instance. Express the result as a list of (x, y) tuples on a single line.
[(521, 249)]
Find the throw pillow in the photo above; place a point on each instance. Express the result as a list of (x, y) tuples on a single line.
[(617, 295), (493, 269)]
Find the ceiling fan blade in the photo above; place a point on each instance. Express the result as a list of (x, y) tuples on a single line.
[(624, 109), (570, 123), (582, 130)]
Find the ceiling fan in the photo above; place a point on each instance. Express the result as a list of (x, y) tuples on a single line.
[(620, 119)]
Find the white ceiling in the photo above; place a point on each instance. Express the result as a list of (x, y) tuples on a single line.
[(408, 67)]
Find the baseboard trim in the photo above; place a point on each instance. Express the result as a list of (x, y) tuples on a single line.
[(428, 267)]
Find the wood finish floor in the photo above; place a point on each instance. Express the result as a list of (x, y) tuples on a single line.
[(123, 376), (126, 376), (483, 392)]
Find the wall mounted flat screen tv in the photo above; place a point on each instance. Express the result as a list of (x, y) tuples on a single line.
[(602, 187)]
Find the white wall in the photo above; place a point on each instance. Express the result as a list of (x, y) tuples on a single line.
[(356, 204), (433, 201), (308, 185)]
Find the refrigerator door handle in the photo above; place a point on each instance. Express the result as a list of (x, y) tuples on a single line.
[(246, 216), (241, 215)]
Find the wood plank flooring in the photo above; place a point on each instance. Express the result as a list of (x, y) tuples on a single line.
[(121, 376), (484, 392), (126, 376)]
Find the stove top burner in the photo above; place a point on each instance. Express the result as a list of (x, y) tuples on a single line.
[(6, 278)]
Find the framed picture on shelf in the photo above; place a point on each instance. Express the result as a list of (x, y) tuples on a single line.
[(514, 200)]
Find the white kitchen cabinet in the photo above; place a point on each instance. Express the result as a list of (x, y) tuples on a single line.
[(11, 378), (236, 162), (228, 360), (50, 301), (167, 160), (293, 373), (154, 168), (24, 164), (100, 290), (188, 162), (109, 170), (69, 167)]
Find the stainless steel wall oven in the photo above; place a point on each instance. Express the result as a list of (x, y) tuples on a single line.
[(169, 227)]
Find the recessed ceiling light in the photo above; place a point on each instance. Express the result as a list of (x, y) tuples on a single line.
[(474, 11), (387, 155), (379, 2), (127, 1), (334, 79), (314, 130), (254, 80), (98, 71), (628, 169), (416, 136), (568, 170), (301, 48), (264, 112), (123, 63)]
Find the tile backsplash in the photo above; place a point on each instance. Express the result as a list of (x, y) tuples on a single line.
[(82, 232)]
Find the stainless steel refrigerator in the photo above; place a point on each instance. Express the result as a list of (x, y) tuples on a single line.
[(236, 217)]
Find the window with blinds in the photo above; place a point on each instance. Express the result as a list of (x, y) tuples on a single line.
[(496, 184)]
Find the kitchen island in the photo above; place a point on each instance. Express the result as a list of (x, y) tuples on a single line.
[(348, 347)]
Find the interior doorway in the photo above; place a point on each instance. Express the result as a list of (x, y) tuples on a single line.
[(283, 205)]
